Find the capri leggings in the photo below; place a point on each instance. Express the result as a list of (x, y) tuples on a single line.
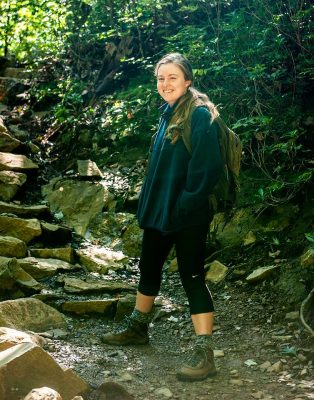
[(190, 245)]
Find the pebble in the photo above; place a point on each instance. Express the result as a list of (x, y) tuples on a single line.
[(277, 367), (264, 367), (237, 382), (219, 353), (163, 391), (292, 316), (257, 395)]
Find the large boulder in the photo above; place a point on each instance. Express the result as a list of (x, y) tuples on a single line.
[(78, 202), (30, 314), (27, 366)]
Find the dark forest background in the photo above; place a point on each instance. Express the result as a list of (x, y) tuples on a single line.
[(92, 64)]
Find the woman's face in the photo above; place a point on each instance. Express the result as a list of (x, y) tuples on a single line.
[(171, 84)]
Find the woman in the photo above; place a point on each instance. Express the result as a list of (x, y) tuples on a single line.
[(174, 210)]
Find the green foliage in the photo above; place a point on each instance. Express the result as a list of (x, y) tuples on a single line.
[(31, 28), (254, 59)]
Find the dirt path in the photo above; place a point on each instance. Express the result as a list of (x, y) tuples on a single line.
[(250, 330)]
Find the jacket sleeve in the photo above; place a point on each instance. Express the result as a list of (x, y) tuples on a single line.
[(205, 165)]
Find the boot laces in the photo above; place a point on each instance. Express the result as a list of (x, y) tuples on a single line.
[(197, 356)]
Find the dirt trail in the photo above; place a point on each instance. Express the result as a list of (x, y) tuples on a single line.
[(250, 330)]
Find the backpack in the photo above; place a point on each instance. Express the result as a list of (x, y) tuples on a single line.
[(226, 190)]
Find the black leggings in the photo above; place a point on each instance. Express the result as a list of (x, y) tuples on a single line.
[(190, 245)]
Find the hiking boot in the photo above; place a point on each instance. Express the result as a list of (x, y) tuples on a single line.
[(130, 331), (200, 365)]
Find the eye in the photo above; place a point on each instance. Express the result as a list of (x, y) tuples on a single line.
[(159, 79)]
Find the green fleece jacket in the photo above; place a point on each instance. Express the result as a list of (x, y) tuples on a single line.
[(175, 192)]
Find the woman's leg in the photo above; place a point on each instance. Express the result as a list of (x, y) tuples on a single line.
[(134, 329), (190, 248)]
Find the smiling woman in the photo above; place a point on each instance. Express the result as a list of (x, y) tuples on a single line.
[(174, 211), (171, 83)]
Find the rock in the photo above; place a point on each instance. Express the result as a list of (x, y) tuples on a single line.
[(62, 253), (105, 307), (277, 367), (219, 353), (21, 210), (164, 391), (23, 229), (10, 337), (125, 306), (16, 162), (30, 314), (119, 231), (43, 393), (110, 391), (12, 247), (75, 285), (244, 220), (19, 133), (26, 366), (264, 367), (132, 239), (292, 316), (237, 382), (80, 202), (10, 182), (40, 268), (88, 168), (53, 234), (258, 395), (261, 273), (11, 275), (173, 267), (217, 272), (7, 142), (307, 258), (101, 259)]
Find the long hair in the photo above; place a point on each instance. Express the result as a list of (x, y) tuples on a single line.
[(191, 99)]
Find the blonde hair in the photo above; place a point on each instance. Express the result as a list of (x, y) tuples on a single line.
[(191, 99)]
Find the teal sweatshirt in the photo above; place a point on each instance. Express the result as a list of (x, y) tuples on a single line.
[(175, 192)]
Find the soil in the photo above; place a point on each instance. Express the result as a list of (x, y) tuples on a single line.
[(251, 328)]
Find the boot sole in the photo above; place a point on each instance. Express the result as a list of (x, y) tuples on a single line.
[(190, 378)]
